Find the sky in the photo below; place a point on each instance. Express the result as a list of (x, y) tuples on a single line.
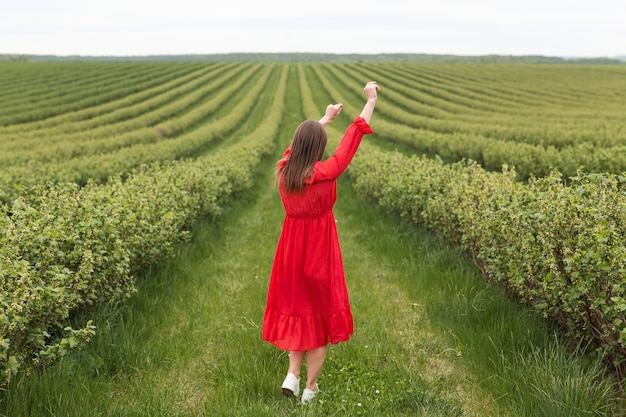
[(569, 28)]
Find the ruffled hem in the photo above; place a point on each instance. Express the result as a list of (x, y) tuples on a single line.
[(308, 332)]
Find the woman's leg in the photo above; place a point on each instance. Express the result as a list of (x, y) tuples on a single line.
[(314, 361), (295, 362), (291, 384)]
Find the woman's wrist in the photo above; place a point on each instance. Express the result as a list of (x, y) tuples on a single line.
[(325, 120)]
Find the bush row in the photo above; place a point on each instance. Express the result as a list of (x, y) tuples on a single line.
[(101, 166), (561, 142), (64, 247), (148, 97), (160, 117), (529, 160), (70, 93), (557, 245)]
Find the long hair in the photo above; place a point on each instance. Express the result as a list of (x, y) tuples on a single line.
[(307, 147)]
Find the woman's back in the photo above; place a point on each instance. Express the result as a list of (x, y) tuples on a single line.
[(315, 200)]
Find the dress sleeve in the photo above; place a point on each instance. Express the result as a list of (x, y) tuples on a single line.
[(334, 166)]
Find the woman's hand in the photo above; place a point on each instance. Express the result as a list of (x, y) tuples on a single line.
[(371, 90), (332, 111)]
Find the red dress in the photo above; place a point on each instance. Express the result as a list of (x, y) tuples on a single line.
[(307, 302)]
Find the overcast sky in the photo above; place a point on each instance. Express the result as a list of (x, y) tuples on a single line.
[(464, 27)]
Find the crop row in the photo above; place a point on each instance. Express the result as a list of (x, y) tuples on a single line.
[(491, 145), (166, 141), (549, 124), (68, 247), (557, 247), (527, 87), (171, 85), (113, 130), (89, 88), (533, 118)]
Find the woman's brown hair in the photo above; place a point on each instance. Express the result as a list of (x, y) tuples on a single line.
[(307, 147)]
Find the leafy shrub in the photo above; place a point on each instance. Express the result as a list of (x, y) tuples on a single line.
[(559, 247), (64, 247)]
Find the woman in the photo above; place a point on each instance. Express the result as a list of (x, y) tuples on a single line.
[(307, 303)]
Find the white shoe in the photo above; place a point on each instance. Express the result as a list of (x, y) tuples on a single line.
[(308, 395), (291, 385)]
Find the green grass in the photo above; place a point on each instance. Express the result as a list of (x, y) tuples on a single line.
[(431, 337)]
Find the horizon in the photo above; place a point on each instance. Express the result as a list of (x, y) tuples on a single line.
[(621, 57)]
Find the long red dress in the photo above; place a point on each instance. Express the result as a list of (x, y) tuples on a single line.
[(307, 302)]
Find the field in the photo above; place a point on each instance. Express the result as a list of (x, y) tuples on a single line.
[(111, 171)]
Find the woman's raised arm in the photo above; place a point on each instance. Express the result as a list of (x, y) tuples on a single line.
[(371, 92)]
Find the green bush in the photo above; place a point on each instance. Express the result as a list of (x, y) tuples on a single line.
[(561, 248), (64, 247), (558, 247)]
